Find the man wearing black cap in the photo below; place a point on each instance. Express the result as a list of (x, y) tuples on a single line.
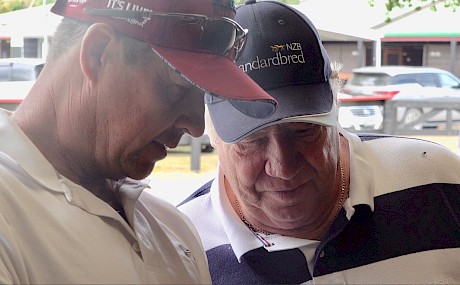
[(123, 81), (299, 200)]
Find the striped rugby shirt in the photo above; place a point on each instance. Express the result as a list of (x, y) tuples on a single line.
[(400, 224)]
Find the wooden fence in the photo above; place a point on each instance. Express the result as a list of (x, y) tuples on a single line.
[(449, 124)]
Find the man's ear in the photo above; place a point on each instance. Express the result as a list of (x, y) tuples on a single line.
[(97, 47)]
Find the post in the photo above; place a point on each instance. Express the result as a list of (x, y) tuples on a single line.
[(378, 52), (195, 154), (453, 54), (389, 117), (361, 55)]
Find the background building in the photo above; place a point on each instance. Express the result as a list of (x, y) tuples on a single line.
[(423, 38), (353, 33)]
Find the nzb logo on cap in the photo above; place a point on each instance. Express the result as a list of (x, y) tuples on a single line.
[(284, 54)]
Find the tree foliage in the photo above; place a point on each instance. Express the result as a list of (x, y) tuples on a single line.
[(415, 5), (7, 6), (392, 4), (13, 5)]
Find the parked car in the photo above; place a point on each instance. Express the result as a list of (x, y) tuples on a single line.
[(359, 117), (401, 83), (17, 75)]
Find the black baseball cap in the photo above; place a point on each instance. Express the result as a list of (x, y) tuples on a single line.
[(285, 56)]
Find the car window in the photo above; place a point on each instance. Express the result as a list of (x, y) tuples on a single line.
[(5, 72), (19, 72), (369, 79), (448, 81), (404, 79), (427, 79)]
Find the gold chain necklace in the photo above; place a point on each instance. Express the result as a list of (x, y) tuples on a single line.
[(342, 195), (342, 192), (251, 227)]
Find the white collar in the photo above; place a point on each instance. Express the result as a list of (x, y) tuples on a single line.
[(362, 184)]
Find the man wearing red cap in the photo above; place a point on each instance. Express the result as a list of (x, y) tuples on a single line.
[(123, 81)]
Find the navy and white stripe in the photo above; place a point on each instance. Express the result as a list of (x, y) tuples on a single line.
[(405, 227)]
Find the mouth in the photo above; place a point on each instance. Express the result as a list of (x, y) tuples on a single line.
[(284, 188), (171, 145), (161, 146), (286, 194), (169, 141)]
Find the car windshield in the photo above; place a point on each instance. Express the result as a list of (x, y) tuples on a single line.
[(369, 79), (448, 81)]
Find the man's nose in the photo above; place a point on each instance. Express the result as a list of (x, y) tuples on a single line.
[(283, 159)]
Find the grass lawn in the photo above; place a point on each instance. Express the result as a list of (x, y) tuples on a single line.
[(179, 160)]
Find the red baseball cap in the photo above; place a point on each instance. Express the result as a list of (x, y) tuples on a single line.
[(198, 38)]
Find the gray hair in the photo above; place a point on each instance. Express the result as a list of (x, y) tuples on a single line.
[(71, 32), (68, 33)]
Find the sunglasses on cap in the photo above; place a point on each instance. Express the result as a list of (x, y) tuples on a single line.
[(191, 32)]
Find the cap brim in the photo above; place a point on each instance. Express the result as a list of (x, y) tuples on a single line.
[(220, 77), (306, 103)]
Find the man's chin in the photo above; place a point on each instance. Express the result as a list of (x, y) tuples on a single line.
[(141, 171)]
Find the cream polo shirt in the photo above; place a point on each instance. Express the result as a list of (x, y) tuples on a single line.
[(53, 231)]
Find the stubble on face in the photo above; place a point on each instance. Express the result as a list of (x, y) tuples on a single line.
[(168, 106)]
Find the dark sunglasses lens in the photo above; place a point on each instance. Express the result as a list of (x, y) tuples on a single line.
[(213, 36), (218, 36), (186, 32)]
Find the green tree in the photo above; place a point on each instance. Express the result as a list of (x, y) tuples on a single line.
[(415, 5), (13, 5), (392, 4)]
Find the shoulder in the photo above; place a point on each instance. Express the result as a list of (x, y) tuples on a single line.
[(409, 149), (205, 210), (199, 206), (203, 190), (392, 163)]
